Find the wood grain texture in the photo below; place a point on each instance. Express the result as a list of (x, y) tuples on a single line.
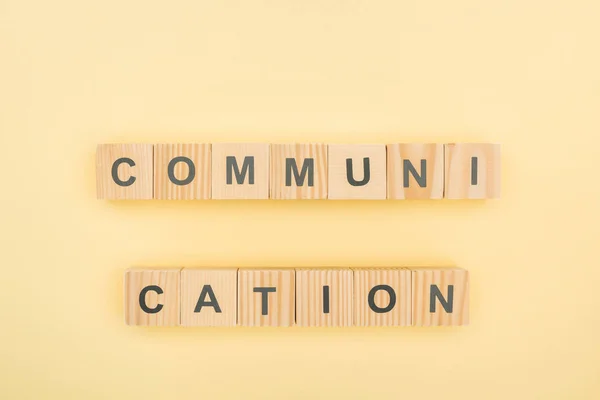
[(442, 278), (257, 190), (141, 155), (169, 282), (399, 188), (222, 283), (459, 184), (310, 299), (281, 303), (340, 187), (399, 280), (299, 153), (199, 188)]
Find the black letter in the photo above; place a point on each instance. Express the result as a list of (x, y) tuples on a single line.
[(350, 175), (207, 291), (265, 297), (308, 166), (326, 299), (115, 171), (473, 170), (421, 179), (372, 294), (191, 171), (434, 292), (239, 176), (143, 304)]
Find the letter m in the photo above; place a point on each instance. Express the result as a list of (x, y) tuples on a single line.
[(232, 168), (308, 168)]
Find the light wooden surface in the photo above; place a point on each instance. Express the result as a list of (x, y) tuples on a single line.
[(199, 188), (141, 155), (399, 188), (442, 278), (222, 283), (310, 303), (458, 173), (299, 153), (281, 303), (169, 282), (339, 186), (259, 189), (365, 280)]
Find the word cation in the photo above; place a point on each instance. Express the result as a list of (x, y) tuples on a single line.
[(303, 297), (298, 171)]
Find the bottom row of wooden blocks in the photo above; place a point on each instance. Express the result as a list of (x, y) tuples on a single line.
[(303, 297)]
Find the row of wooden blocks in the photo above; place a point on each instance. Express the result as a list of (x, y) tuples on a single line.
[(298, 171), (304, 297)]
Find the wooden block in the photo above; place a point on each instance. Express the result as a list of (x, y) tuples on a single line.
[(382, 297), (415, 171), (324, 297), (472, 171), (266, 297), (209, 297), (440, 296), (182, 171), (298, 171), (240, 171), (357, 171), (152, 297), (124, 171)]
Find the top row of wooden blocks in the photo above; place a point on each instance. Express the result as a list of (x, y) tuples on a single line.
[(298, 171)]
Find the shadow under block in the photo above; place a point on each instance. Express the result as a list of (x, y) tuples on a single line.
[(298, 171), (152, 297), (182, 171), (124, 171), (472, 171), (266, 297), (440, 297), (382, 297), (209, 297), (415, 171), (240, 171), (324, 297), (357, 171)]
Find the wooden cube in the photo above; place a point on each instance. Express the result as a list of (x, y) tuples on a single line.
[(324, 297), (124, 171), (152, 297), (472, 171), (240, 171), (357, 171), (415, 171), (182, 171), (298, 171), (266, 297), (209, 297), (382, 297), (440, 296)]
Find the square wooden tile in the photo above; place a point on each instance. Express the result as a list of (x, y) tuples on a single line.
[(182, 171), (209, 297), (415, 171), (266, 297), (324, 297), (357, 171), (240, 171), (298, 171), (124, 171), (472, 171), (152, 297), (440, 296), (382, 297)]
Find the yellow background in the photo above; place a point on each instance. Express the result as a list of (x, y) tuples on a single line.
[(521, 73)]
